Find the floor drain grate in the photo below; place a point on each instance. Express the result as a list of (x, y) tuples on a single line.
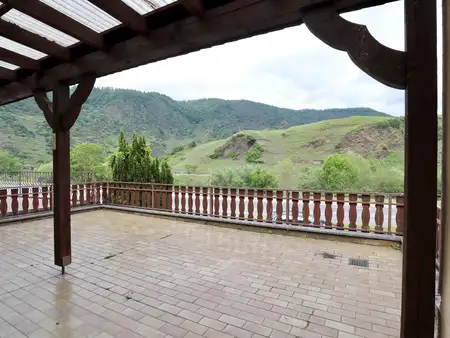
[(363, 263)]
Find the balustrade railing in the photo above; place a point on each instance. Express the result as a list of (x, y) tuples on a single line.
[(364, 212)]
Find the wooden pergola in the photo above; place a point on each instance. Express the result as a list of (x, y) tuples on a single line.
[(48, 45)]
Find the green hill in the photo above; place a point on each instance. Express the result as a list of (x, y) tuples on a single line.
[(370, 137), (164, 121)]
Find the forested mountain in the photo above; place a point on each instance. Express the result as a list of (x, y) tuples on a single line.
[(164, 121)]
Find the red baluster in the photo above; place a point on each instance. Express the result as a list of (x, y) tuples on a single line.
[(305, 199), (3, 202), (190, 201), (259, 206), (183, 199), (379, 213), (269, 197), (340, 211), (74, 195), (233, 203), (81, 187), (25, 200), (97, 188), (241, 193), (353, 211), (295, 197), (216, 201), (205, 201), (317, 211), (88, 193), (177, 198), (106, 193), (45, 198), (279, 206), (224, 202), (250, 193), (35, 199), (15, 202), (365, 213), (328, 210), (197, 200), (400, 216)]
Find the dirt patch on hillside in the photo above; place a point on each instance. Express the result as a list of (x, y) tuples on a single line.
[(371, 141), (315, 144), (235, 147)]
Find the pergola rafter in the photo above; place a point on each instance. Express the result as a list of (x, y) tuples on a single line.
[(156, 31)]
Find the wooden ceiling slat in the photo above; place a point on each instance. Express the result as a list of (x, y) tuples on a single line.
[(196, 7), (58, 20), (18, 59), (235, 20), (7, 74), (123, 13), (24, 37)]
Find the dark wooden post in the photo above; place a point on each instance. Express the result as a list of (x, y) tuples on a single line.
[(25, 200), (328, 210), (105, 193), (82, 193), (365, 215), (61, 114), (317, 212), (3, 202), (419, 246), (250, 205), (35, 199), (164, 196), (269, 197), (379, 213), (352, 212), (233, 203), (97, 193), (197, 200), (14, 201), (183, 199), (88, 194), (295, 197), (400, 215), (340, 211), (305, 197)]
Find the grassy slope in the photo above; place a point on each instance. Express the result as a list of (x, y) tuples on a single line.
[(306, 142)]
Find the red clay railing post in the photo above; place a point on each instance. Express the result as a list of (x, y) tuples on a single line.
[(105, 193), (88, 193), (233, 203), (328, 210), (259, 206), (14, 202), (123, 193), (183, 199), (340, 211), (269, 207), (190, 201), (250, 195), (305, 199), (205, 201), (365, 216), (82, 193), (35, 199), (400, 217), (177, 198), (353, 198), (3, 202), (379, 213), (74, 195), (390, 214), (197, 200), (97, 195), (241, 204), (157, 197), (25, 200), (317, 212), (45, 198), (225, 202), (295, 198), (279, 207), (164, 197), (216, 193)]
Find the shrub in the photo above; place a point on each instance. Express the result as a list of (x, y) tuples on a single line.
[(192, 144), (191, 168), (338, 173), (177, 149), (259, 177), (253, 155)]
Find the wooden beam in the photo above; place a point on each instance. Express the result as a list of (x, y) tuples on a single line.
[(419, 250), (24, 37), (196, 7), (50, 16), (7, 74), (236, 20), (18, 59), (119, 10)]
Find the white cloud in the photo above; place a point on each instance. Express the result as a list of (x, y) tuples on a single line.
[(290, 68)]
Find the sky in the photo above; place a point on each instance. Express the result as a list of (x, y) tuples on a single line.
[(289, 68)]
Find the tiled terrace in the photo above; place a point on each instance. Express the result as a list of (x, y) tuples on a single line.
[(136, 276)]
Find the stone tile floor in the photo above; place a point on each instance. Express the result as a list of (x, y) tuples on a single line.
[(137, 276)]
